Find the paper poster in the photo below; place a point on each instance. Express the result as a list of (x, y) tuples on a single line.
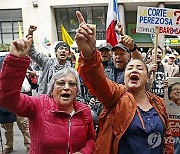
[(168, 20), (172, 100)]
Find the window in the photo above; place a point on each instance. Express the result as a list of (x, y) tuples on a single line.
[(99, 18), (9, 24), (67, 17)]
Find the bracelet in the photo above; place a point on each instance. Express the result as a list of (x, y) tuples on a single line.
[(135, 47), (28, 35)]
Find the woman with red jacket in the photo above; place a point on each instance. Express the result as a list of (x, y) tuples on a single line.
[(133, 120), (58, 124)]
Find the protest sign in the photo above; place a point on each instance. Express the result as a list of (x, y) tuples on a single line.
[(172, 100), (168, 20)]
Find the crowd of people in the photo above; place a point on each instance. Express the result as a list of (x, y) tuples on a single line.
[(113, 103)]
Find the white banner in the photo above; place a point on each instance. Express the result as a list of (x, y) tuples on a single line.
[(168, 20)]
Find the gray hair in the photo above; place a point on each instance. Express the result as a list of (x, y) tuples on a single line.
[(63, 72)]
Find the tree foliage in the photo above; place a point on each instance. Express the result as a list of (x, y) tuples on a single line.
[(5, 47)]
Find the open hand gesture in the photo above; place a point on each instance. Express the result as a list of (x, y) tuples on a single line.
[(21, 47), (85, 36)]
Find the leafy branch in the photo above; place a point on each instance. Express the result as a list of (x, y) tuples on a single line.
[(5, 47)]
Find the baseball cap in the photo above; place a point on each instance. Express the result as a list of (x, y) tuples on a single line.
[(105, 45), (119, 45), (176, 53), (171, 56), (64, 44)]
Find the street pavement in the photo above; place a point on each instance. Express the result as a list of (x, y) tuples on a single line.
[(18, 141)]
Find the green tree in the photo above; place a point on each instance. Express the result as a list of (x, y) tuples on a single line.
[(5, 47)]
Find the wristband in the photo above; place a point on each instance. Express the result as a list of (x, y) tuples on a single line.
[(135, 47), (28, 35)]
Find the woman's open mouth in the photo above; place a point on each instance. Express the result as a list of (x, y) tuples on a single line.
[(66, 95), (134, 78)]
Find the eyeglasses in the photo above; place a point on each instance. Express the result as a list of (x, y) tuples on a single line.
[(62, 84)]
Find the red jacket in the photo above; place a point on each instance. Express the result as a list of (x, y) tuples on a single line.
[(120, 107), (52, 131)]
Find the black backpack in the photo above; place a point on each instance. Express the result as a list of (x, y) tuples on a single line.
[(6, 116)]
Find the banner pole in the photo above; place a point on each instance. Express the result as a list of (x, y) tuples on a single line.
[(154, 60)]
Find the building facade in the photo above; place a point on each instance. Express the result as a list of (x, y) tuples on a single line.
[(49, 15)]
